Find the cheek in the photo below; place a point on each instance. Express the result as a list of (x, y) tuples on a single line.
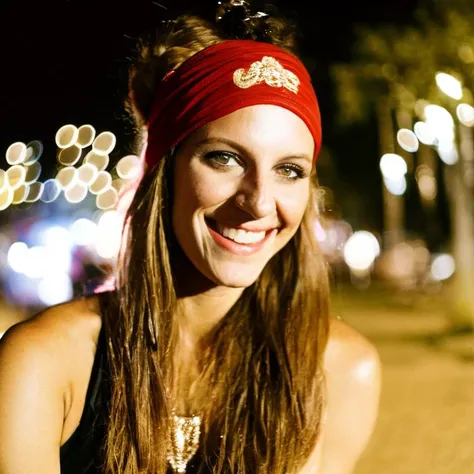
[(197, 188), (293, 206), (194, 191)]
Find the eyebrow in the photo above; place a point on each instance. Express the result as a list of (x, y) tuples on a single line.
[(241, 149)]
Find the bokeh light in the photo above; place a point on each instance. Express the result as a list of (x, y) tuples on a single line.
[(407, 140), (66, 136), (70, 155), (104, 143), (85, 136), (16, 176), (465, 114), (443, 267), (51, 190), (361, 250), (99, 161), (448, 84), (129, 167), (16, 153), (424, 133), (34, 150)]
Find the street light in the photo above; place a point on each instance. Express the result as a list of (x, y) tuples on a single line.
[(442, 124), (440, 121), (465, 113), (394, 168), (448, 84), (424, 133), (407, 140)]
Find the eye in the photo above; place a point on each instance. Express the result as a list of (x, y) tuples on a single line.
[(292, 172), (222, 159)]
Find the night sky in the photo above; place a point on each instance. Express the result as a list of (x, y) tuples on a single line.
[(66, 62)]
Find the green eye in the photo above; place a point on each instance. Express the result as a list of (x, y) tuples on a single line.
[(292, 172), (222, 158), (287, 172)]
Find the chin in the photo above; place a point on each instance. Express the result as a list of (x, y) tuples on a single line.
[(235, 276)]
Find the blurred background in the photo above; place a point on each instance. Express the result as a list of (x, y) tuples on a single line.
[(395, 84)]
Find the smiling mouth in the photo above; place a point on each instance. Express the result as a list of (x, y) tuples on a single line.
[(238, 236), (238, 241)]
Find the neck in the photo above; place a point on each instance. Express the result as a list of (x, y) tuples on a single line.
[(200, 313), (201, 304)]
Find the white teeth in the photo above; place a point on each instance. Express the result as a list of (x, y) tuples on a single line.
[(240, 236)]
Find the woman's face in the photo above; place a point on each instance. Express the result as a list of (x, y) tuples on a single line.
[(241, 188)]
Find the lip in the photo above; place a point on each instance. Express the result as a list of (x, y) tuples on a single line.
[(240, 249), (247, 229)]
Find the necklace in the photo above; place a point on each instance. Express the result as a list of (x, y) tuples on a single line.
[(185, 433)]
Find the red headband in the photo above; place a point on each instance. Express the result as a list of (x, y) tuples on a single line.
[(221, 79)]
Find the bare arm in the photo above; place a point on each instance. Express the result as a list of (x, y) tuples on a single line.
[(353, 392), (353, 374), (31, 402)]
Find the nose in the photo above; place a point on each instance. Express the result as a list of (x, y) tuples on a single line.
[(255, 196)]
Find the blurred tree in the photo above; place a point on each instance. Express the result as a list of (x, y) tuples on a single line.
[(393, 69)]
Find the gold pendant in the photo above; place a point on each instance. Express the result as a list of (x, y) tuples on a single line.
[(185, 434)]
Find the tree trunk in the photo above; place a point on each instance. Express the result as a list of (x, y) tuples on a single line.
[(462, 221), (426, 157), (393, 206)]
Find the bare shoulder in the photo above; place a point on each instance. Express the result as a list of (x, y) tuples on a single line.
[(53, 335), (350, 354), (59, 318), (63, 338), (44, 362), (353, 379)]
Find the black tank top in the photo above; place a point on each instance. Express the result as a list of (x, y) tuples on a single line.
[(81, 454), (83, 451)]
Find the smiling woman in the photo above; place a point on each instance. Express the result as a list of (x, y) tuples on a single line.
[(215, 353), (240, 191)]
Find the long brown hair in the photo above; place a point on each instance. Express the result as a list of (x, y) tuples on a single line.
[(264, 360)]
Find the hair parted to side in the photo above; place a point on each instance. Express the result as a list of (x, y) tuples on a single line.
[(264, 361)]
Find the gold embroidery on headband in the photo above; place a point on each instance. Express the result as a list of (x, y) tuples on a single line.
[(268, 70)]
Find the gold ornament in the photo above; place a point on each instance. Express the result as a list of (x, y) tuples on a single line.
[(185, 434), (268, 70)]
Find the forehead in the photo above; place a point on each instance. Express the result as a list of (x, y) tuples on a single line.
[(263, 128)]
